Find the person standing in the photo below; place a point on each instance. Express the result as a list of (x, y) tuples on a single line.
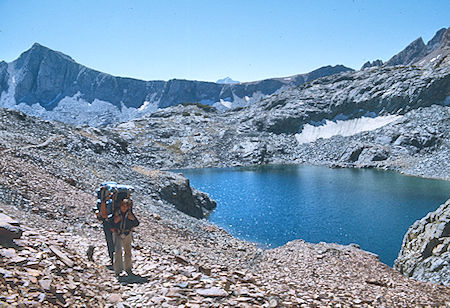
[(123, 224), (105, 214)]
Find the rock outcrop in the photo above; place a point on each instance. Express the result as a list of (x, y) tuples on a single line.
[(425, 253), (175, 189), (374, 63), (378, 91)]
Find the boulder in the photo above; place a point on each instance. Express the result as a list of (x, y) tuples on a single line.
[(373, 154), (9, 229), (418, 139), (204, 201), (352, 153), (425, 253), (175, 188)]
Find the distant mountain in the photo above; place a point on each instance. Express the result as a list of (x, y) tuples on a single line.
[(227, 80), (52, 85), (417, 50), (375, 63)]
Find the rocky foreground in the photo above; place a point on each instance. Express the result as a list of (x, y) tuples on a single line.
[(48, 173)]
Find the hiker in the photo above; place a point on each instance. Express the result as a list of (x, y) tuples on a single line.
[(123, 224), (104, 214)]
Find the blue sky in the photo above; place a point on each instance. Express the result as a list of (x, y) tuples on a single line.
[(208, 40)]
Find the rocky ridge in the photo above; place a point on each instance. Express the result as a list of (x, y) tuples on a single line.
[(416, 51), (52, 85), (378, 91)]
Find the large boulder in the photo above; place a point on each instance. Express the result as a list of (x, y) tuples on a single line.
[(9, 229), (175, 188), (425, 253)]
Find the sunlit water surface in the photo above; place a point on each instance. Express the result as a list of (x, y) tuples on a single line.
[(272, 205)]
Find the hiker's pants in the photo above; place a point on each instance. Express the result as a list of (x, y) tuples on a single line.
[(122, 240), (109, 239)]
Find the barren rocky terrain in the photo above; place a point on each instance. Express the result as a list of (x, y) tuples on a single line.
[(49, 172), (48, 175), (199, 265)]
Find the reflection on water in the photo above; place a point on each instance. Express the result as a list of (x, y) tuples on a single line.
[(272, 205)]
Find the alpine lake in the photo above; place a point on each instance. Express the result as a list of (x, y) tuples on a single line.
[(272, 205)]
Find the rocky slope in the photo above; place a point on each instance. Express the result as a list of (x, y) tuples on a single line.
[(425, 253), (48, 174), (414, 140), (52, 85), (375, 92)]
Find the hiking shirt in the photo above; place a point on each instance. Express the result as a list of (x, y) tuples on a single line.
[(125, 224)]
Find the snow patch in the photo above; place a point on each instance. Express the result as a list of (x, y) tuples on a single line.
[(435, 58), (76, 110), (225, 103), (144, 105), (329, 129)]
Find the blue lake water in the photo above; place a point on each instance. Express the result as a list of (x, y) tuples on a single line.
[(272, 205)]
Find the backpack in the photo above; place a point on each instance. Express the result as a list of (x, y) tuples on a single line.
[(108, 197)]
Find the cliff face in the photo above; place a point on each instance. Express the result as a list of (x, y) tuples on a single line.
[(52, 85), (44, 77), (425, 253), (3, 76)]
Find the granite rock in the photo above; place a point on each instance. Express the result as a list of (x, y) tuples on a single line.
[(425, 253)]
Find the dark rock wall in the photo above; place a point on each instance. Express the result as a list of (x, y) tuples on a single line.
[(45, 77), (3, 76)]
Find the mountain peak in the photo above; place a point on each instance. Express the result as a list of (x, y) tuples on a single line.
[(410, 54), (436, 40), (37, 45), (227, 80), (40, 50)]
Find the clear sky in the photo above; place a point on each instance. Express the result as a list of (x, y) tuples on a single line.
[(208, 40)]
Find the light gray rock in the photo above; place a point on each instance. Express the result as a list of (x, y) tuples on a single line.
[(372, 154), (425, 253)]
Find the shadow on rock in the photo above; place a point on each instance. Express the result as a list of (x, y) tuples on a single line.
[(132, 278)]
